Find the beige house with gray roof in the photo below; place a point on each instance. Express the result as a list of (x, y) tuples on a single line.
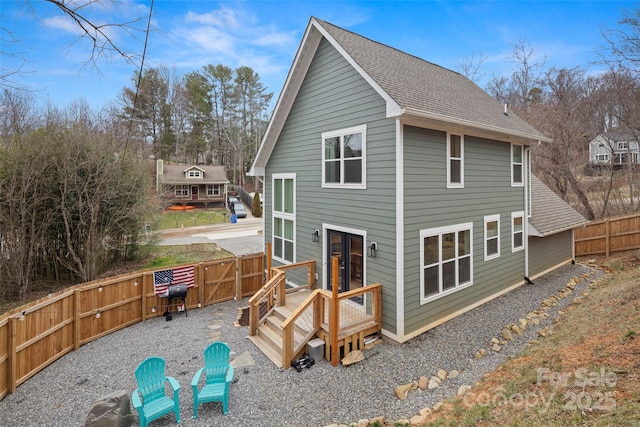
[(191, 184), (408, 173)]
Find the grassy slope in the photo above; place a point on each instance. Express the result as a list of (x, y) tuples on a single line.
[(586, 372)]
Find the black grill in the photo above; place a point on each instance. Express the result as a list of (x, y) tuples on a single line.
[(177, 291), (173, 293)]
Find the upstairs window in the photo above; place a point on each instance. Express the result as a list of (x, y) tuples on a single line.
[(343, 158), (194, 173), (622, 145), (491, 237), (455, 164), (516, 166)]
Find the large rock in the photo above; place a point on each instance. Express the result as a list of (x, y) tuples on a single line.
[(353, 357), (112, 410), (403, 390)]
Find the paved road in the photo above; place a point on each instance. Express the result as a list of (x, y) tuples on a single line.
[(242, 238)]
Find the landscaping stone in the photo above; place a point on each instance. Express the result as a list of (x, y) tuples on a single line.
[(403, 390), (354, 356), (113, 409)]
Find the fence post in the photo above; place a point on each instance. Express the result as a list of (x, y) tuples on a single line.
[(145, 286), (239, 275), (268, 262), (11, 352), (606, 239), (202, 271), (77, 328)]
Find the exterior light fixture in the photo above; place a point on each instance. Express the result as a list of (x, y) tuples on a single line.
[(373, 248), (153, 309), (315, 236), (98, 315), (99, 288), (22, 316)]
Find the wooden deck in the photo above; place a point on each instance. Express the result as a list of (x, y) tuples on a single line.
[(304, 314)]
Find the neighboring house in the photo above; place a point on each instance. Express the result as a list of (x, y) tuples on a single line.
[(191, 185), (408, 172), (614, 148)]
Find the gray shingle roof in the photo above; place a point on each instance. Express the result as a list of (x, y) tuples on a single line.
[(549, 213), (175, 174), (416, 84)]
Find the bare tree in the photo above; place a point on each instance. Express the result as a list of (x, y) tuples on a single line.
[(566, 115), (86, 17), (520, 89), (623, 44), (470, 67)]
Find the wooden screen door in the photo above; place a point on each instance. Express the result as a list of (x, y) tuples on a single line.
[(348, 248)]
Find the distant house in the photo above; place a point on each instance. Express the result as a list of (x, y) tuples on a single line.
[(410, 174), (614, 148), (191, 185)]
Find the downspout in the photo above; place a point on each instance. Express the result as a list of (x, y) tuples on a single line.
[(525, 220)]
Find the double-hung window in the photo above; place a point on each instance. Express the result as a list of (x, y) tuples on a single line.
[(344, 158), (517, 166), (284, 218), (213, 189), (455, 161), (491, 237), (446, 260), (182, 190), (517, 230)]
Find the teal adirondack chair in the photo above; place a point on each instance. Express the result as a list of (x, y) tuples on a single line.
[(150, 398), (218, 374)]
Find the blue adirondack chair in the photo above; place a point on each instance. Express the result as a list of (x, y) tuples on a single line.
[(150, 398), (218, 374)]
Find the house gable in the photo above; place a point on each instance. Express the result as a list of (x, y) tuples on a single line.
[(413, 89)]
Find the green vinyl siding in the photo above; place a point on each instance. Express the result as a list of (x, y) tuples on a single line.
[(429, 204), (548, 252), (333, 96)]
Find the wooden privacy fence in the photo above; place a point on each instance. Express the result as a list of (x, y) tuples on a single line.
[(37, 334), (608, 235)]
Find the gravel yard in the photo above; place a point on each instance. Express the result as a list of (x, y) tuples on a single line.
[(63, 393)]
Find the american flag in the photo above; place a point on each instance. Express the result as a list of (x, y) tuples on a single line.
[(178, 276)]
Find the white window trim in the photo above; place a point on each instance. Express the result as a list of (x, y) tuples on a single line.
[(181, 190), (622, 145), (512, 163), (355, 129), (449, 158), (284, 215), (488, 219), (194, 174), (514, 215), (439, 231)]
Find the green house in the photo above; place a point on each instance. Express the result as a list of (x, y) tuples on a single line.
[(410, 174)]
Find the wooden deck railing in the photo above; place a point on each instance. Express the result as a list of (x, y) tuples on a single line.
[(311, 308), (262, 303), (340, 319)]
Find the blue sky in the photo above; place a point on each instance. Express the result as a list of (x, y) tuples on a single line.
[(264, 35)]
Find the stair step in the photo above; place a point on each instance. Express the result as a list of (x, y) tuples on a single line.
[(268, 350), (271, 335)]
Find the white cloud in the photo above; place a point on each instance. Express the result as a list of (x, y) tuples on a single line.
[(220, 18)]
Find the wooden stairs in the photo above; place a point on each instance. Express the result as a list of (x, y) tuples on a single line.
[(269, 337)]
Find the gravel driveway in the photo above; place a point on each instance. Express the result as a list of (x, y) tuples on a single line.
[(63, 393)]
